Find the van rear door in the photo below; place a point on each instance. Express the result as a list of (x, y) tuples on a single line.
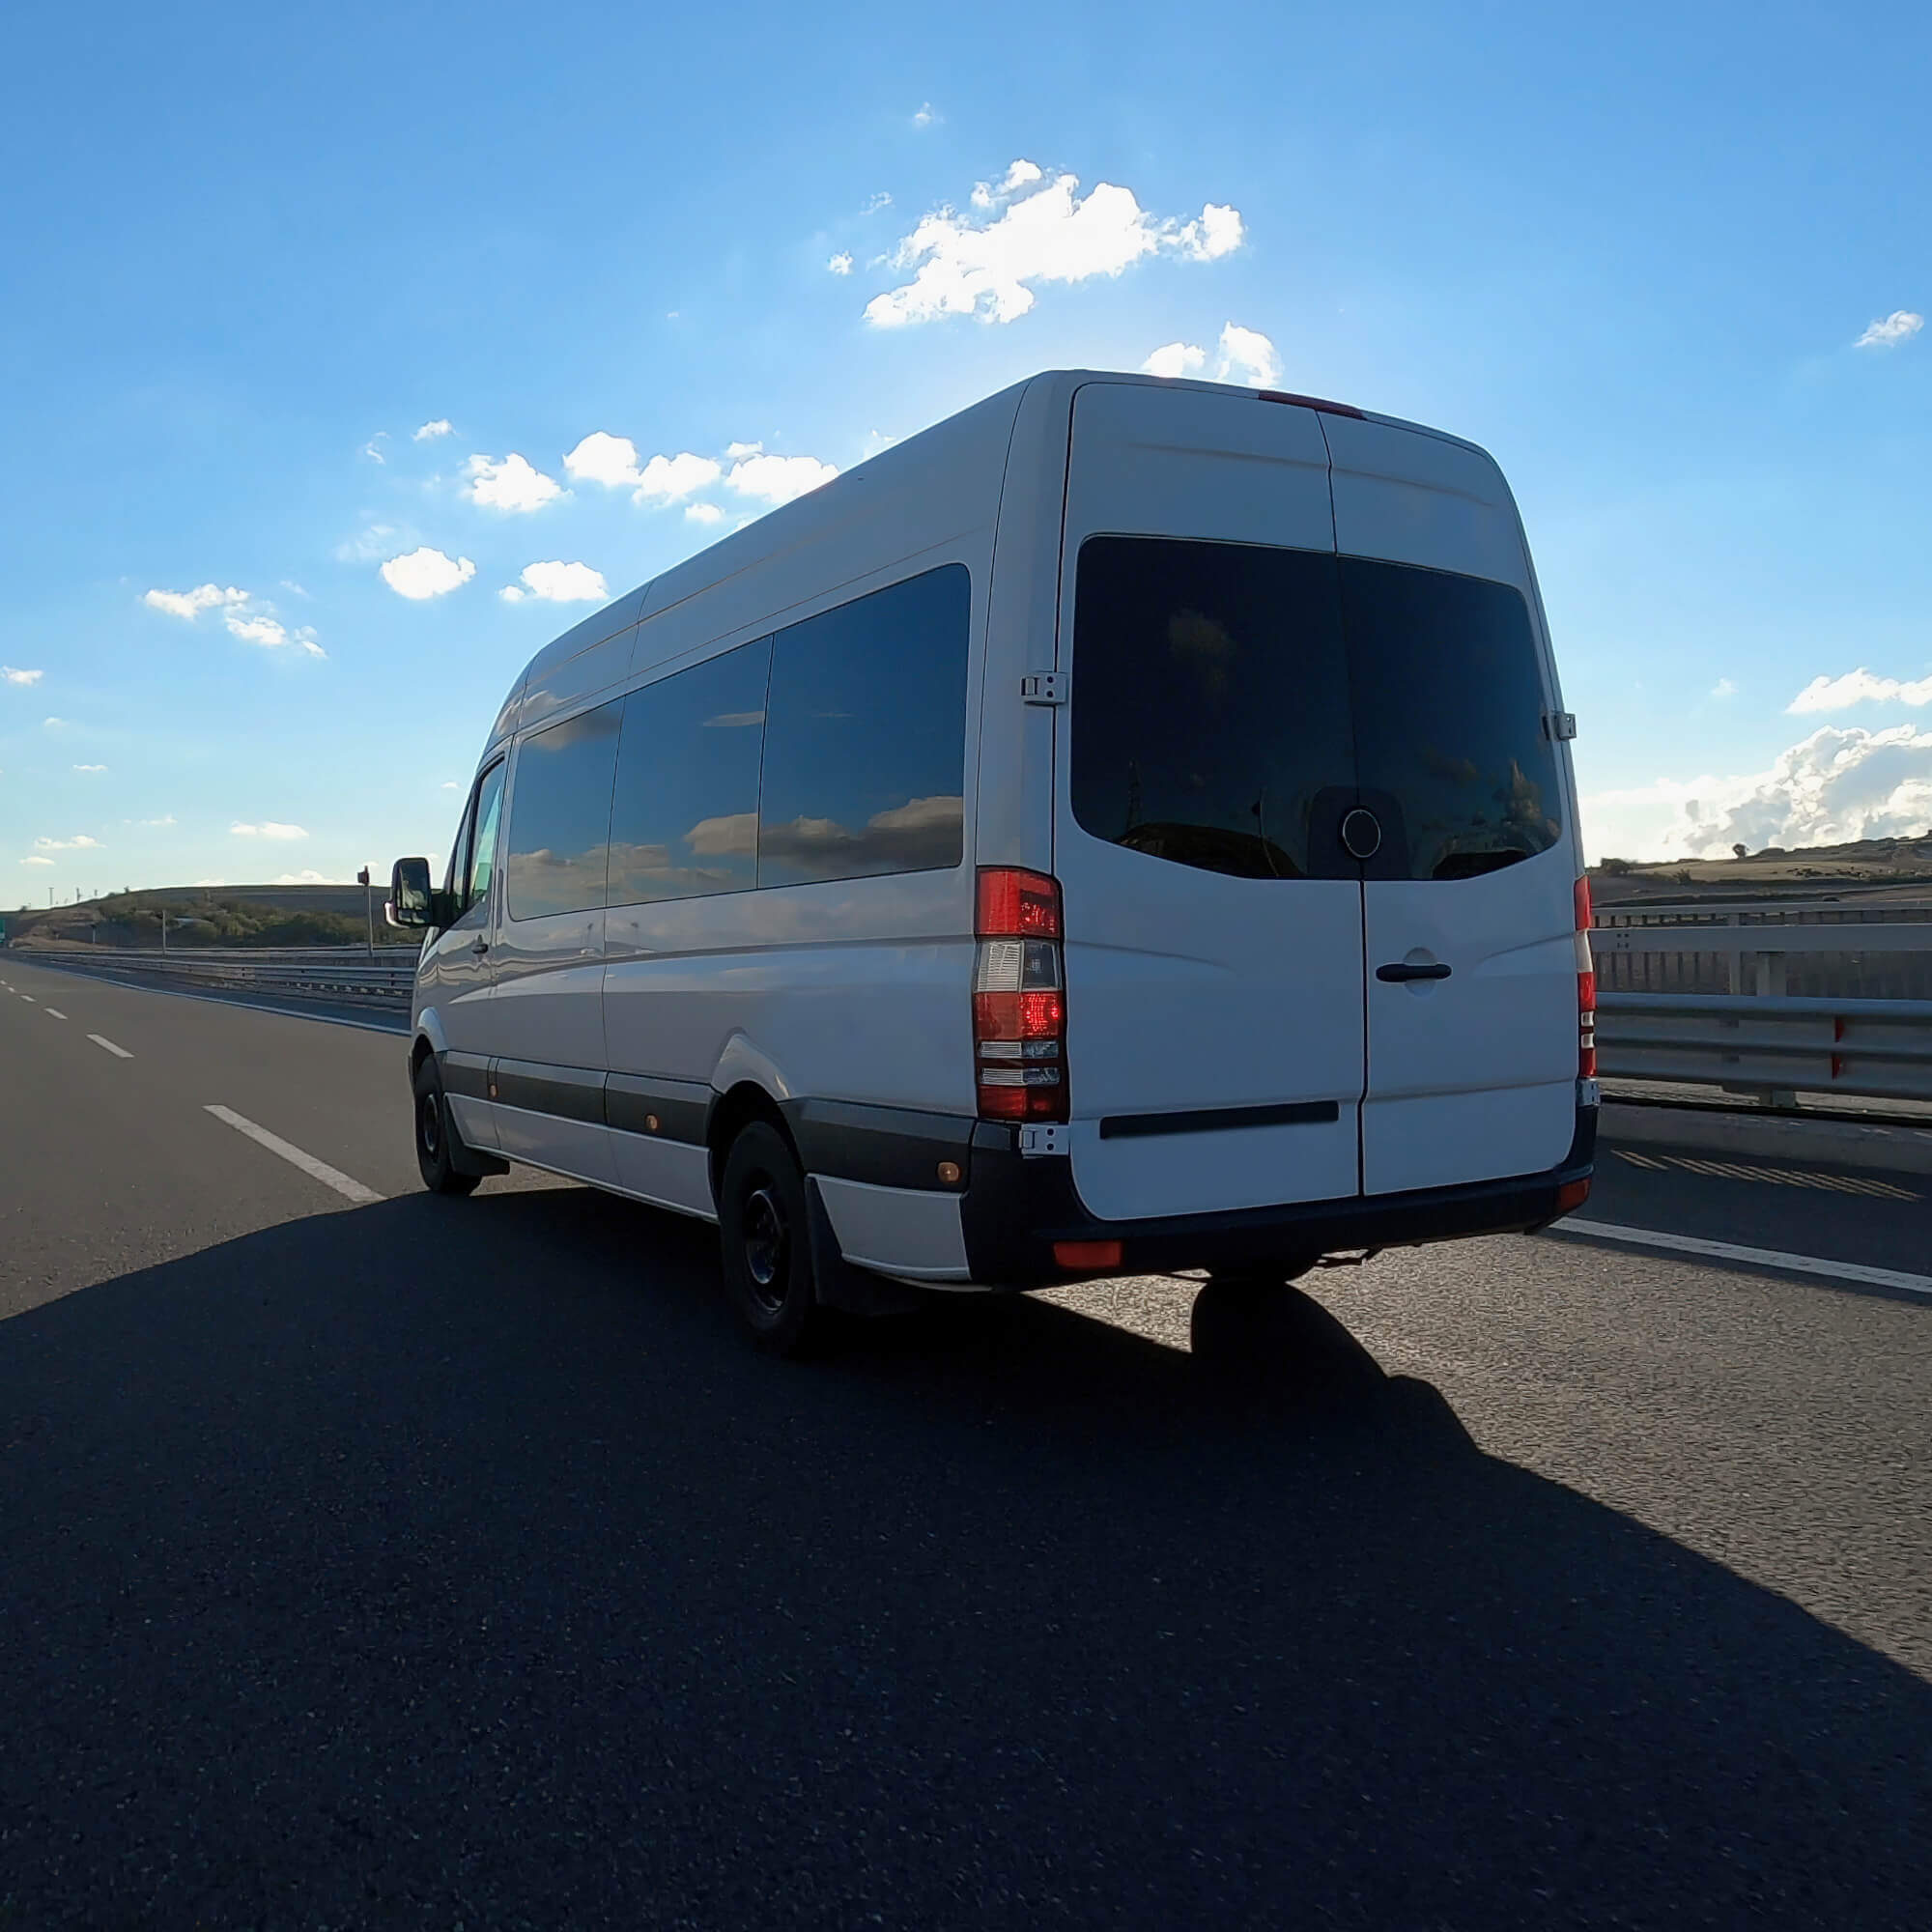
[(1214, 950), (1469, 902)]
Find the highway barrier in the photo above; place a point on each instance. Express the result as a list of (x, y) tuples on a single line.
[(1768, 1042)]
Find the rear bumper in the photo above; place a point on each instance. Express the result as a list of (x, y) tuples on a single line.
[(1015, 1207)]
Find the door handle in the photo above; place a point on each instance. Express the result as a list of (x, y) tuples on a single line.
[(482, 945), (1396, 973)]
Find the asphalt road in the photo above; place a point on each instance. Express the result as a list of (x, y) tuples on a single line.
[(433, 1563)]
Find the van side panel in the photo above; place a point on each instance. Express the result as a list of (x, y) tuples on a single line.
[(854, 990)]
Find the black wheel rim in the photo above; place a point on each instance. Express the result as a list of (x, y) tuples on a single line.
[(767, 1245), (429, 1126)]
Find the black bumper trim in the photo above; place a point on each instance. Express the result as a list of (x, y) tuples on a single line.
[(569, 1093), (1218, 1119), (889, 1146), (1016, 1208)]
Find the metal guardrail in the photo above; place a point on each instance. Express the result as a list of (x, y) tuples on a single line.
[(1768, 1041), (331, 973)]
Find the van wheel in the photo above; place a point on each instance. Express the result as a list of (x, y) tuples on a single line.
[(436, 1138), (767, 1243)]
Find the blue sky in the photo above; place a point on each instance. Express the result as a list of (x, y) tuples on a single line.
[(251, 253)]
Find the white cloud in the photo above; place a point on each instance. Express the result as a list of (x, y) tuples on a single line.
[(557, 583), (736, 452), (370, 450), (1247, 357), (1723, 688), (268, 829), (430, 431), (188, 604), (603, 458), (1175, 358), (90, 768), (426, 573), (1859, 687), (1840, 783), (925, 117), (879, 200), (512, 484), (452, 785), (79, 842), (840, 264), (668, 479), (303, 878), (263, 630), (14, 676), (1889, 330), (703, 513), (53, 724), (1217, 231), (778, 479), (36, 862), (294, 589), (966, 266), (166, 818)]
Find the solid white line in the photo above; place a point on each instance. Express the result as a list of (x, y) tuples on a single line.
[(319, 1170), (119, 1052), (1729, 1251), (52, 1014)]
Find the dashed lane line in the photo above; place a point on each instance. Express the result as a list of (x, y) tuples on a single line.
[(119, 1052), (319, 1170), (1764, 1258), (53, 1013)]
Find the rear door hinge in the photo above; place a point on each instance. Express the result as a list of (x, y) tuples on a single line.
[(1043, 687), (1038, 1139), (1560, 724)]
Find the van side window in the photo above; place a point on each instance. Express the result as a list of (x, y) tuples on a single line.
[(483, 852), (1449, 724), (684, 817), (865, 736), (561, 815)]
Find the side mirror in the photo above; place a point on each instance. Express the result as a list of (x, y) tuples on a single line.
[(410, 893)]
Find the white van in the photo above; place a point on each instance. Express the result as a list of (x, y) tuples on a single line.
[(1128, 827)]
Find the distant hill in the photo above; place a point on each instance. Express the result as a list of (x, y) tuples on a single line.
[(1863, 868), (210, 916)]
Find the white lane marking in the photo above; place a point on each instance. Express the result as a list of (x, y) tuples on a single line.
[(52, 1014), (319, 1170), (29, 998), (1730, 1251), (119, 1052)]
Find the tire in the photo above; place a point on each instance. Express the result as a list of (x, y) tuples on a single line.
[(435, 1134), (766, 1241)]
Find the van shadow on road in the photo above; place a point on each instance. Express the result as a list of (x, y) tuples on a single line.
[(439, 1561)]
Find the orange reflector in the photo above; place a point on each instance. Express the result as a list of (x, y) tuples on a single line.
[(1089, 1256), (1572, 1194)]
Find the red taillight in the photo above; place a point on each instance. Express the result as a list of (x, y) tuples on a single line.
[(1019, 998), (1572, 1194), (1086, 1257), (1586, 988)]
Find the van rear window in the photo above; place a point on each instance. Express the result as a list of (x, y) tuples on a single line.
[(1231, 701)]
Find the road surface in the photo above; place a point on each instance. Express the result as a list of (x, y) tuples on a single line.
[(370, 1558)]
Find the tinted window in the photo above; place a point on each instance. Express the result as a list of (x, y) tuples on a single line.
[(865, 736), (561, 815), (1449, 716), (1209, 703), (685, 816), (483, 853)]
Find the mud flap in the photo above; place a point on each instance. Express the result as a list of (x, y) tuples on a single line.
[(854, 1291)]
